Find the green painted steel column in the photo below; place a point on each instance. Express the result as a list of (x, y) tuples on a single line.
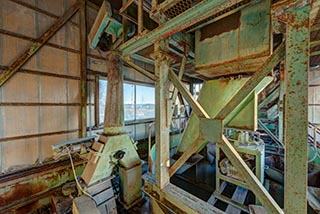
[(162, 127), (296, 110)]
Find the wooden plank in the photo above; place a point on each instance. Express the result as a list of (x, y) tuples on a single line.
[(22, 59), (103, 196), (103, 185), (84, 205)]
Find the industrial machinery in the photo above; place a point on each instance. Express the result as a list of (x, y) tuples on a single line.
[(114, 150), (236, 52), (251, 148), (232, 47)]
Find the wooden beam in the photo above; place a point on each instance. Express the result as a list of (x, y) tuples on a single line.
[(24, 58), (83, 70)]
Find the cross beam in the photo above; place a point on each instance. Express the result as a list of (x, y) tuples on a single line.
[(24, 58)]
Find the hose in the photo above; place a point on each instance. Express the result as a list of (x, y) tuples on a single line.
[(75, 177)]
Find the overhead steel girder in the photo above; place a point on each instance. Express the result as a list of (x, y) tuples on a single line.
[(198, 13)]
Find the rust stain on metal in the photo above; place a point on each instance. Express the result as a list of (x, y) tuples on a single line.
[(226, 24), (20, 191)]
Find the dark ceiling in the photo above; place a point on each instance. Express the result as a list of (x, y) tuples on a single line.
[(116, 4)]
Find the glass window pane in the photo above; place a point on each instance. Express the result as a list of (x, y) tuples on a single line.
[(129, 101), (102, 99), (145, 102)]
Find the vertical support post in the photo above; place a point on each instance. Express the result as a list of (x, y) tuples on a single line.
[(296, 110), (124, 24), (154, 5), (140, 16), (83, 68), (96, 101), (162, 123), (113, 119), (281, 101)]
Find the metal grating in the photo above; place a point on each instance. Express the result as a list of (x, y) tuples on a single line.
[(179, 8)]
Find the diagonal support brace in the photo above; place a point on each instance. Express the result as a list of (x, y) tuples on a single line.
[(24, 58), (266, 199), (195, 106), (275, 58)]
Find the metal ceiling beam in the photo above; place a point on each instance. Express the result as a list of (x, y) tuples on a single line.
[(24, 58), (201, 11)]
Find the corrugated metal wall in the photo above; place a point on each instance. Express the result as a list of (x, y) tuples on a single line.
[(314, 97), (40, 104)]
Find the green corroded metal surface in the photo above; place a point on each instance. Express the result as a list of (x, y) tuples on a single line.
[(213, 97), (190, 17), (296, 110), (104, 23), (30, 186), (104, 166), (248, 40)]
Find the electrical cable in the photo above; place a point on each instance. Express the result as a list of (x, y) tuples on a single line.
[(75, 177)]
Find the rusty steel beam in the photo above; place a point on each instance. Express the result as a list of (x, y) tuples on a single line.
[(22, 59), (22, 188), (199, 12), (175, 91), (83, 69), (296, 111), (140, 16)]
